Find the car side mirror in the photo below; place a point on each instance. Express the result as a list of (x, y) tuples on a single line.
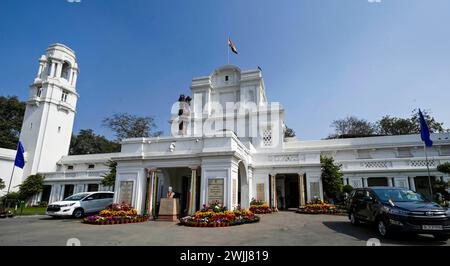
[(88, 198)]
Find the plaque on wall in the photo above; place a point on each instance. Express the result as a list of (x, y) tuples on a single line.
[(215, 190), (260, 192), (315, 189), (126, 192)]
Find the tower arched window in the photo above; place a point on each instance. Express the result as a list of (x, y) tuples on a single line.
[(65, 72), (64, 96)]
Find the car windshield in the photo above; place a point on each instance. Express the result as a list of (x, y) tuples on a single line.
[(398, 195), (76, 197)]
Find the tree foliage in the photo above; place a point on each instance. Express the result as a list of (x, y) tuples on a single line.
[(125, 125), (444, 168), (387, 126), (2, 184), (352, 126), (402, 126), (11, 115), (110, 178), (289, 132), (31, 186), (395, 126), (331, 177), (87, 142)]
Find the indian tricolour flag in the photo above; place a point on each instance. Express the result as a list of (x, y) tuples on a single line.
[(230, 43)]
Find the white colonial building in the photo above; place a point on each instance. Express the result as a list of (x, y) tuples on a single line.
[(227, 144)]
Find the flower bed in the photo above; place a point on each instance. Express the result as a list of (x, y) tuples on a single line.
[(218, 216), (116, 214), (259, 207), (321, 208)]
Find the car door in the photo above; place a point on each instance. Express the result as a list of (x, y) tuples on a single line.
[(90, 203), (105, 199), (373, 207), (360, 205), (99, 202), (108, 199)]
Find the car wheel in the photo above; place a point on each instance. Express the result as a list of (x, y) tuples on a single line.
[(383, 228), (353, 219), (441, 237), (78, 213)]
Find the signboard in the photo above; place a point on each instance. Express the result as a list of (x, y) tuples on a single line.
[(215, 190), (260, 192), (126, 192), (315, 189)]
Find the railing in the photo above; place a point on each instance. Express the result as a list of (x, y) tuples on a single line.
[(394, 163)]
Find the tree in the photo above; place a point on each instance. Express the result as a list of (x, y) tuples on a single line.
[(125, 125), (395, 126), (331, 177), (2, 184), (444, 168), (32, 185), (289, 133), (347, 189), (87, 142), (110, 178), (402, 126), (352, 126), (433, 125), (11, 116)]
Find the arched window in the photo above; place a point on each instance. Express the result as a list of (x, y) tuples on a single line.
[(65, 72)]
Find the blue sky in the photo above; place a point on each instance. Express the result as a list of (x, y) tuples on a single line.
[(322, 59)]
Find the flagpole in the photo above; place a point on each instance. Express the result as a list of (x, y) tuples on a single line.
[(10, 179), (228, 50), (428, 170)]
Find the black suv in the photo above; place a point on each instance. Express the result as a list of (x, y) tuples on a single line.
[(398, 210)]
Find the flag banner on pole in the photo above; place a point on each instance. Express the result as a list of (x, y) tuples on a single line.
[(424, 131), (230, 43), (20, 159)]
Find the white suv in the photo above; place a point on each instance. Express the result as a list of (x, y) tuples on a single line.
[(81, 203)]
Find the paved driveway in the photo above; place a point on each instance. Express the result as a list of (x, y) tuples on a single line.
[(284, 228)]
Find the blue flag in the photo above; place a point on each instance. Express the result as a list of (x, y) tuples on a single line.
[(20, 159), (424, 131)]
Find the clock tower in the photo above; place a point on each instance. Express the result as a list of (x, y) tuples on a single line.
[(50, 110)]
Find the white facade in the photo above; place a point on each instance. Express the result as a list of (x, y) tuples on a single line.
[(213, 154)]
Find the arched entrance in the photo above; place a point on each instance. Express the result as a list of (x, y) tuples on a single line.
[(243, 187)]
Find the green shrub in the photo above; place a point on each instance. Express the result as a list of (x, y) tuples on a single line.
[(347, 189)]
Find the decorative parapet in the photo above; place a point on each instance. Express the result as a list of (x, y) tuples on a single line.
[(73, 175), (422, 163), (286, 158), (376, 164), (392, 164)]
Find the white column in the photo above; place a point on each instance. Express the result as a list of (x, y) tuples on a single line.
[(302, 189), (192, 192), (389, 179), (412, 184), (320, 188), (41, 67), (52, 72), (58, 69), (364, 182), (74, 78), (151, 196), (61, 192)]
